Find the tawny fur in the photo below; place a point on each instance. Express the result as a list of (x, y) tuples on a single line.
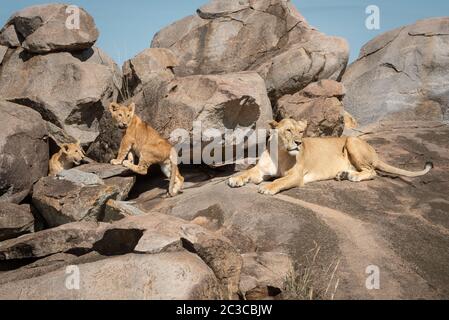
[(320, 159), (71, 154), (143, 141)]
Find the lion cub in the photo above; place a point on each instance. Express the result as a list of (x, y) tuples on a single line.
[(144, 142), (70, 154)]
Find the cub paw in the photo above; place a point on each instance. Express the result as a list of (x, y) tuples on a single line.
[(127, 163), (267, 190), (116, 162), (344, 175), (236, 182)]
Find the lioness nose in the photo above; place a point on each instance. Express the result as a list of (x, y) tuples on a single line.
[(298, 142)]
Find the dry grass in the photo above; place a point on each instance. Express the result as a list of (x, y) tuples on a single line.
[(308, 281)]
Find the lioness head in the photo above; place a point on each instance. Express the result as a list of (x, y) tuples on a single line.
[(290, 133), (73, 152), (122, 115)]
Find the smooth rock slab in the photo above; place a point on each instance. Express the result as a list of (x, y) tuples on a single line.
[(51, 27), (179, 275), (401, 75)]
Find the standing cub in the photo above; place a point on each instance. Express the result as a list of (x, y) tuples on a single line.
[(144, 142)]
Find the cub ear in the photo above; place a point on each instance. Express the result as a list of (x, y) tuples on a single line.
[(132, 107), (273, 124), (65, 148), (113, 107)]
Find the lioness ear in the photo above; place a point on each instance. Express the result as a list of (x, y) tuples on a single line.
[(113, 107), (132, 107), (303, 123), (273, 124)]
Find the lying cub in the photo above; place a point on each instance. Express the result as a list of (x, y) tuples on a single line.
[(304, 160), (144, 142), (70, 154)]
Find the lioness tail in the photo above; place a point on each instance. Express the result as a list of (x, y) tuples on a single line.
[(390, 169)]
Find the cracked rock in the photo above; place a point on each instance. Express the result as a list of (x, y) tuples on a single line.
[(401, 75), (222, 102), (63, 201), (320, 104), (15, 220), (267, 36), (23, 151)]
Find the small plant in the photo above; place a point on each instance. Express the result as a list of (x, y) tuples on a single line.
[(308, 281)]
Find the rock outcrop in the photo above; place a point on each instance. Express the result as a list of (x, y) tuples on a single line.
[(401, 75), (70, 92), (221, 102), (320, 104), (269, 37), (23, 151), (152, 66), (165, 276), (55, 69), (404, 233), (158, 247), (78, 196), (49, 28)]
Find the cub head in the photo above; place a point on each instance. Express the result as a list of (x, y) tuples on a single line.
[(122, 115), (73, 152), (290, 133)]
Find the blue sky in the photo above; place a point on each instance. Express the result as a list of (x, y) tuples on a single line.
[(127, 27)]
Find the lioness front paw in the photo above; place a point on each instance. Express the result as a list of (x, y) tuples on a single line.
[(236, 182), (268, 190), (116, 162)]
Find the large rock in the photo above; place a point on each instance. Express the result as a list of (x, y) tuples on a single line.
[(150, 66), (69, 90), (320, 104), (267, 36), (77, 197), (397, 224), (23, 151), (73, 237), (178, 275), (3, 51), (166, 233), (264, 274), (15, 220), (222, 102), (402, 75), (149, 235), (50, 27)]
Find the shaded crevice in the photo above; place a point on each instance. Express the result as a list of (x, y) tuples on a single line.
[(118, 242), (46, 114)]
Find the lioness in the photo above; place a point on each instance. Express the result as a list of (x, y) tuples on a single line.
[(144, 142), (316, 159), (70, 154)]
